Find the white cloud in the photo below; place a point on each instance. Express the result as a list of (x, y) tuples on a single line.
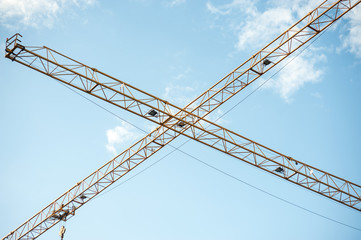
[(175, 3), (261, 30), (183, 74), (255, 27), (119, 135), (35, 13), (178, 95), (352, 40), (302, 70), (246, 6), (299, 7), (214, 10)]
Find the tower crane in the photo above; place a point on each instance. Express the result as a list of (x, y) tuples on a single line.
[(189, 121)]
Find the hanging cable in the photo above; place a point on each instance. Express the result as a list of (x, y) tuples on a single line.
[(207, 164)]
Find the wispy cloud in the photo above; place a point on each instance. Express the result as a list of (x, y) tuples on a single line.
[(255, 27), (214, 10), (119, 135), (217, 116), (174, 3), (265, 25), (177, 91), (246, 6), (183, 74), (178, 95), (352, 39), (35, 13)]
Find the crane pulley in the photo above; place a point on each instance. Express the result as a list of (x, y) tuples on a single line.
[(189, 121)]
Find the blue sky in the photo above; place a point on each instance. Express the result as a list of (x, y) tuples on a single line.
[(51, 137)]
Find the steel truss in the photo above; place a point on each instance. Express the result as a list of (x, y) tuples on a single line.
[(190, 121)]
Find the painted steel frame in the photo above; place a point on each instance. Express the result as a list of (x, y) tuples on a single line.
[(189, 121)]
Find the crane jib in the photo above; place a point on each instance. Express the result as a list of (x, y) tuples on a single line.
[(189, 121)]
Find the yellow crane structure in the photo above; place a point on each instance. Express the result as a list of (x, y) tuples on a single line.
[(189, 121)]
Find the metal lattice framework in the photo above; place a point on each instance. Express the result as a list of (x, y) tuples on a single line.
[(190, 121)]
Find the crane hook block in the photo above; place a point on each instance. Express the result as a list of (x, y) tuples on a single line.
[(62, 232)]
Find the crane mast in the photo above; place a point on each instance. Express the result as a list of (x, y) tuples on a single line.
[(189, 121)]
